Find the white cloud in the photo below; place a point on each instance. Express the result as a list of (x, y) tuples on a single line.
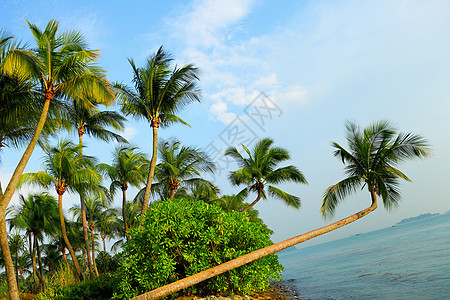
[(219, 110), (129, 133), (206, 23), (293, 94), (270, 81)]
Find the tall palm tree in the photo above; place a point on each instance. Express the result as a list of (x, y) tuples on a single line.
[(91, 121), (129, 167), (259, 170), (66, 169), (160, 92), (180, 166), (371, 161), (63, 68)]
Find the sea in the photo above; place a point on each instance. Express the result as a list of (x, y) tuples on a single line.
[(410, 260)]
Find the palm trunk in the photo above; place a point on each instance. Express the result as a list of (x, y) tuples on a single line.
[(66, 240), (13, 289), (83, 212), (16, 256), (254, 202), (172, 194), (33, 260), (104, 244), (247, 258), (85, 232), (93, 252), (41, 274), (155, 125), (63, 250), (124, 215)]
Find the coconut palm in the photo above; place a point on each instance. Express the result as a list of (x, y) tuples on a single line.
[(17, 245), (132, 210), (159, 94), (181, 166), (371, 162), (259, 170), (91, 121), (107, 226), (66, 169), (38, 215), (64, 68), (129, 167)]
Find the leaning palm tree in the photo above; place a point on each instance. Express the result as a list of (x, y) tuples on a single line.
[(66, 169), (129, 167), (371, 162), (64, 68), (91, 121), (159, 94), (181, 166), (259, 170)]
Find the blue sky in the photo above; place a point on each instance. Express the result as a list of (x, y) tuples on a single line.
[(306, 66)]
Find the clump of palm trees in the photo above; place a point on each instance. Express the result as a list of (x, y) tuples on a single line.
[(57, 85)]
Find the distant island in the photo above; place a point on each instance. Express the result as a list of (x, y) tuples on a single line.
[(420, 217)]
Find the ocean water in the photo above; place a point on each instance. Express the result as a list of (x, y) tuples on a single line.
[(408, 261)]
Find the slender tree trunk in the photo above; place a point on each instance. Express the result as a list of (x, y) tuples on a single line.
[(93, 252), (13, 289), (124, 215), (247, 258), (33, 260), (172, 193), (104, 244), (16, 256), (155, 125), (66, 240), (254, 202), (83, 211), (41, 274), (63, 250)]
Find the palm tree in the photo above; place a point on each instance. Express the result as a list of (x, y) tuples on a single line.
[(17, 245), (180, 166), (107, 225), (38, 215), (66, 169), (132, 210), (64, 68), (92, 122), (159, 93), (129, 167), (371, 162), (259, 170)]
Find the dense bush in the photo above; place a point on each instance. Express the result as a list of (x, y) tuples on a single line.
[(106, 263), (179, 238)]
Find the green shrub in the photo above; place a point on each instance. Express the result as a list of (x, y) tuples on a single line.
[(106, 263), (97, 289), (179, 238)]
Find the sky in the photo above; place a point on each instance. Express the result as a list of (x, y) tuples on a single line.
[(294, 71)]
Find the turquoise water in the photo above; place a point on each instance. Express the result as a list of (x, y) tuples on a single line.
[(408, 261)]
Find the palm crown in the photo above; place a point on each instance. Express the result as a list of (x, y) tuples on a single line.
[(259, 170), (372, 161)]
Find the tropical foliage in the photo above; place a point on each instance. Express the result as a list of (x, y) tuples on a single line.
[(178, 238)]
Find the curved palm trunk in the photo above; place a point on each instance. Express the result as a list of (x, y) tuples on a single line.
[(247, 258), (5, 198), (83, 212), (172, 193), (93, 250), (63, 250), (155, 125), (254, 202), (66, 240)]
